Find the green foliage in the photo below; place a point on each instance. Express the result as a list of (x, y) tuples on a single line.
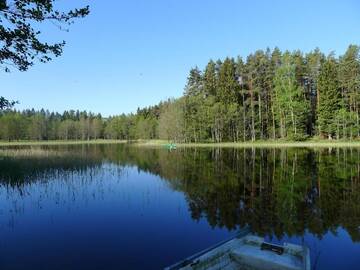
[(271, 95), (171, 121), (290, 106), (43, 125), (329, 98), (20, 40)]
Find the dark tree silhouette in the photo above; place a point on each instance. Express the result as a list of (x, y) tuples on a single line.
[(19, 38), (20, 45), (6, 104)]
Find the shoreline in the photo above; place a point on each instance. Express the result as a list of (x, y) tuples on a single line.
[(60, 142), (259, 144), (160, 143)]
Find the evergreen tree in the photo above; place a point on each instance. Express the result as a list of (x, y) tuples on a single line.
[(329, 98), (349, 80), (194, 96), (314, 61), (210, 79)]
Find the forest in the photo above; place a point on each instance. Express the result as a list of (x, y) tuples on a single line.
[(269, 95)]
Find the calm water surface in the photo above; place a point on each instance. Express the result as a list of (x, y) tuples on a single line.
[(125, 207)]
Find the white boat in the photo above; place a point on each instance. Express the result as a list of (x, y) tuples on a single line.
[(248, 252)]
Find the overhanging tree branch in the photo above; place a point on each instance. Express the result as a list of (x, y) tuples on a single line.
[(19, 40)]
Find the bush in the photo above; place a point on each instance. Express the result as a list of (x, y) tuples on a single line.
[(298, 137)]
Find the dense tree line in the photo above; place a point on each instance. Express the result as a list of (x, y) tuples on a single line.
[(274, 95), (270, 95), (43, 125), (76, 125)]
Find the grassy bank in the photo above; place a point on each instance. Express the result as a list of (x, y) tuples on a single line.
[(259, 144), (58, 142), (160, 143)]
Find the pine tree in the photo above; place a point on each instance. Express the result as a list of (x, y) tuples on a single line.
[(329, 98), (210, 79), (227, 96), (349, 80), (240, 75), (194, 96), (314, 61)]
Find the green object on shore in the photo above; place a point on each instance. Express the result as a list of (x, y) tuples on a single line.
[(170, 146)]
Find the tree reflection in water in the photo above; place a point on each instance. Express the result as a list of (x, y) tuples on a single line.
[(275, 191)]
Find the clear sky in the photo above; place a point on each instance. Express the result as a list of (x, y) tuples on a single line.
[(134, 53)]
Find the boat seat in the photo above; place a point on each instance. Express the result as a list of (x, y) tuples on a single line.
[(250, 255)]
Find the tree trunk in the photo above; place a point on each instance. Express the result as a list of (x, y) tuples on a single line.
[(260, 119), (244, 116), (273, 122), (293, 120)]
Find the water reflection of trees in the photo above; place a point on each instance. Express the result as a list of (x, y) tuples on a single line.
[(276, 191)]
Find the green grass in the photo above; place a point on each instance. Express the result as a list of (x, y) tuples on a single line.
[(259, 144), (158, 143)]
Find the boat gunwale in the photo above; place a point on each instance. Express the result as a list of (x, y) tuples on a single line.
[(305, 253), (192, 258)]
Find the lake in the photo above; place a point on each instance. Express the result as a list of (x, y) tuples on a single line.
[(119, 206)]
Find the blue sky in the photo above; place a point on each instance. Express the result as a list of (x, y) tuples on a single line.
[(130, 54)]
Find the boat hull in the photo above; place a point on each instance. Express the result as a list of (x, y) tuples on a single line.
[(248, 252)]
